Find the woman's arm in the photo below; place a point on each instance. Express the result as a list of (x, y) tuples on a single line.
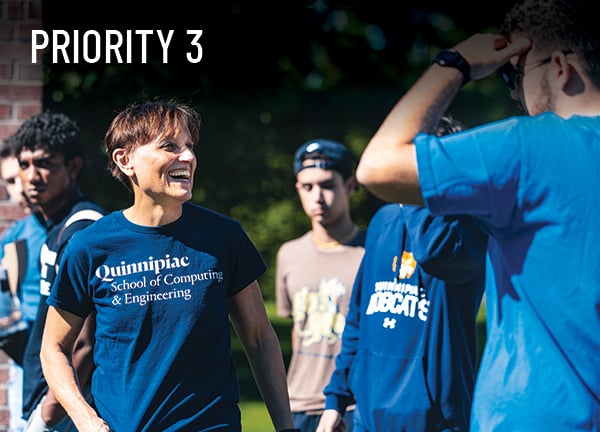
[(83, 362), (60, 334), (260, 342)]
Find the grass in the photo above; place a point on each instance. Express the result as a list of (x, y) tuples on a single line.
[(255, 417)]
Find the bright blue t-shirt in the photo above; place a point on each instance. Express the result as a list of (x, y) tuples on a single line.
[(534, 183), (162, 347), (30, 229)]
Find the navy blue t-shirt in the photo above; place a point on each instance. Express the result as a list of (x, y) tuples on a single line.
[(162, 351)]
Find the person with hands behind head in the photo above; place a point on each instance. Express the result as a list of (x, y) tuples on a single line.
[(50, 152), (531, 182), (315, 273), (409, 347), (164, 278)]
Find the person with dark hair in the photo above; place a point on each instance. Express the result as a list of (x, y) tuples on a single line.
[(531, 182), (50, 152), (23, 290), (165, 279), (20, 246), (315, 273), (9, 170), (409, 348)]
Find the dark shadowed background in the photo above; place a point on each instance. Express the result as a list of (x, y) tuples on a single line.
[(273, 74)]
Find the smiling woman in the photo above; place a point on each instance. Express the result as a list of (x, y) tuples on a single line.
[(183, 274)]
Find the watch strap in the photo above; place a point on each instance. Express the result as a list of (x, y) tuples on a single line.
[(452, 58)]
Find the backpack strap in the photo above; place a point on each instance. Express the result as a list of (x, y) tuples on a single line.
[(86, 214)]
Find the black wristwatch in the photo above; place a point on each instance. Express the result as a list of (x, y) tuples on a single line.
[(452, 58)]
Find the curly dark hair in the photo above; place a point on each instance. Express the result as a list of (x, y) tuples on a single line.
[(52, 132), (7, 148), (565, 25)]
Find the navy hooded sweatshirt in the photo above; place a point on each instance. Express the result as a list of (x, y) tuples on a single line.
[(409, 346)]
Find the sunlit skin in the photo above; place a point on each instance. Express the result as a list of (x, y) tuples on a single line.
[(45, 178), (162, 177), (533, 99), (9, 172), (325, 198)]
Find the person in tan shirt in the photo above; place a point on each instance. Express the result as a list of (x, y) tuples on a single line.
[(315, 273)]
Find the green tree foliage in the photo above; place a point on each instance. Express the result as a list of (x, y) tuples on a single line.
[(273, 74)]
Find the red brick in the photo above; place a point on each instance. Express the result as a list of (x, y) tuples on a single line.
[(28, 71), (5, 111), (19, 100), (6, 71), (24, 111), (15, 51), (21, 92), (4, 416), (7, 130), (15, 9), (6, 30), (35, 9), (23, 30)]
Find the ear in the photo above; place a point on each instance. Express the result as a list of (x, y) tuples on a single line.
[(351, 185), (298, 186), (123, 161), (564, 70), (74, 167)]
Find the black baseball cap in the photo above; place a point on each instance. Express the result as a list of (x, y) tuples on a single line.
[(327, 154)]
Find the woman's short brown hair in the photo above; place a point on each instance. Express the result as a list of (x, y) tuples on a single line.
[(138, 124)]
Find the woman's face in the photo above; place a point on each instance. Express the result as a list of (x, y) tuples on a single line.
[(162, 169)]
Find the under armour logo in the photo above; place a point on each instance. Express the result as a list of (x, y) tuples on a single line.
[(389, 323)]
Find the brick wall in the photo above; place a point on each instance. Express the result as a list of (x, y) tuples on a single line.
[(20, 97)]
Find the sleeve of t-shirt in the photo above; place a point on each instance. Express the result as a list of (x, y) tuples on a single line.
[(69, 290), (248, 264), (473, 172)]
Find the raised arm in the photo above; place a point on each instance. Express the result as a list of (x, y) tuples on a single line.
[(388, 166)]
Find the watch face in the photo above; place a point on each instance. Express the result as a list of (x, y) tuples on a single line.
[(448, 57)]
